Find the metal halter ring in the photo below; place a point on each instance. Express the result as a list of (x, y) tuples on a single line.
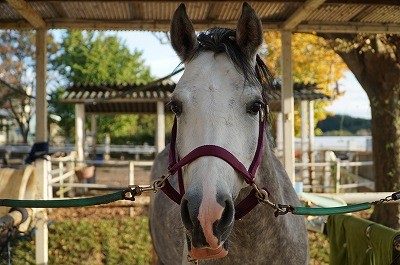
[(261, 194), (159, 183)]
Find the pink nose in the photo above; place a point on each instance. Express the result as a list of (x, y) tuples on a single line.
[(208, 220)]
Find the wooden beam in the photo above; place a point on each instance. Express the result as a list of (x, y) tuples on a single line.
[(350, 27), (332, 27), (28, 13), (146, 25), (16, 24), (301, 13)]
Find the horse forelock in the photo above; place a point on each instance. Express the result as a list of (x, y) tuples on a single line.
[(223, 40)]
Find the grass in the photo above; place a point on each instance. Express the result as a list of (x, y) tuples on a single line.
[(118, 241), (94, 242)]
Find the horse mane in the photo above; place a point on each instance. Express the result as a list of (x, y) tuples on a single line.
[(223, 40)]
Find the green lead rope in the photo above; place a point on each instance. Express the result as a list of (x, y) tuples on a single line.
[(331, 210), (132, 191), (97, 200)]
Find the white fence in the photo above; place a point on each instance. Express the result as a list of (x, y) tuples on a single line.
[(332, 173), (62, 174)]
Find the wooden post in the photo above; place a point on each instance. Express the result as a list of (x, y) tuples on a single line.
[(80, 131), (287, 105), (327, 171), (131, 182), (94, 135), (80, 138), (304, 138), (41, 235), (311, 147), (60, 173), (107, 147), (337, 183), (160, 133), (279, 135)]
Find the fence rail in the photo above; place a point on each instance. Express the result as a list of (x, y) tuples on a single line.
[(62, 174), (335, 167)]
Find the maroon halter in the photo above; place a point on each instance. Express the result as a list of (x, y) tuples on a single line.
[(248, 203)]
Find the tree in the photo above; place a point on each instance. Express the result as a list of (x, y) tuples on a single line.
[(314, 62), (91, 57), (65, 111), (344, 123), (17, 83), (375, 62)]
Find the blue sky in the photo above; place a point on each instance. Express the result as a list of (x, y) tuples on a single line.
[(162, 61)]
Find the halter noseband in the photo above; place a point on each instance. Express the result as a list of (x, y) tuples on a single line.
[(252, 199)]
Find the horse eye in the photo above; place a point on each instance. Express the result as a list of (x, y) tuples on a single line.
[(255, 107), (176, 108)]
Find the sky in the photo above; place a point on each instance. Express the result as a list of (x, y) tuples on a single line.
[(162, 61)]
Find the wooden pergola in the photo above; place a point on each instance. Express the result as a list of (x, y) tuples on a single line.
[(287, 16)]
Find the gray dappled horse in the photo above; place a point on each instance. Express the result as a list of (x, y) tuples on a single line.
[(220, 102)]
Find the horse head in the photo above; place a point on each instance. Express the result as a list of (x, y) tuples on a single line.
[(218, 101)]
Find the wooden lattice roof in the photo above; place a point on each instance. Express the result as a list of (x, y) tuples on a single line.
[(118, 99), (296, 15)]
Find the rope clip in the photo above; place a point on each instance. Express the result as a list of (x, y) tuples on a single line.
[(282, 209), (131, 192)]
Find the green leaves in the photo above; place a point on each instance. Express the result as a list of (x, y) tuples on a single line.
[(91, 57)]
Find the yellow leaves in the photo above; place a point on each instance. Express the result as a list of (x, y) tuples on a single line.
[(313, 60)]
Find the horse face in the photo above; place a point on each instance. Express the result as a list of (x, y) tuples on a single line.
[(214, 105)]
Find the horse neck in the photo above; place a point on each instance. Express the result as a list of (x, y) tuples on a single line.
[(270, 171)]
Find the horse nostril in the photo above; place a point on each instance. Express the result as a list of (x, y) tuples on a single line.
[(185, 215), (227, 216)]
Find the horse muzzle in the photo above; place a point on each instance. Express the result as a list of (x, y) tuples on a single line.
[(208, 222)]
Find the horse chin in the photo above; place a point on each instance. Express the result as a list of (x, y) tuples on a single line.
[(208, 253)]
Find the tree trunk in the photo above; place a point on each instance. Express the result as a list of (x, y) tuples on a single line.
[(24, 130), (385, 122), (378, 72)]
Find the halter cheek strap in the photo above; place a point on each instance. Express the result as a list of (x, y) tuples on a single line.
[(176, 164)]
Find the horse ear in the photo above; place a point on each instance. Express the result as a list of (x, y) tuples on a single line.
[(183, 36), (249, 34)]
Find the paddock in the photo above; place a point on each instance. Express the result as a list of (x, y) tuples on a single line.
[(285, 16)]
